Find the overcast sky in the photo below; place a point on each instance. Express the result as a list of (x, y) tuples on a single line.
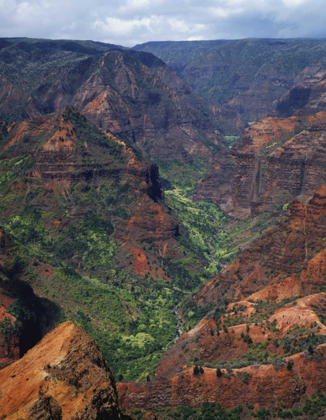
[(130, 22)]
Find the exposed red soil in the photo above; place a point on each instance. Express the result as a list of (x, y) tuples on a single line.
[(62, 375)]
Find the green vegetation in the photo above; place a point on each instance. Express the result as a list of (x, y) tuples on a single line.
[(204, 222), (231, 140), (184, 175), (64, 239), (8, 331), (131, 320), (208, 411), (270, 146), (311, 408)]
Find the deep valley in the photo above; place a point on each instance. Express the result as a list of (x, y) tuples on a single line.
[(162, 229)]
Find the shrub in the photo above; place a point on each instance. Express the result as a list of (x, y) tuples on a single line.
[(196, 370), (290, 364)]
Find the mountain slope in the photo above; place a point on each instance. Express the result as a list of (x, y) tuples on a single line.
[(132, 94), (248, 76), (276, 161), (263, 344), (93, 234), (179, 54)]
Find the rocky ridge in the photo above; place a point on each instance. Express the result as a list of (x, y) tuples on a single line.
[(63, 377), (245, 77), (132, 94)]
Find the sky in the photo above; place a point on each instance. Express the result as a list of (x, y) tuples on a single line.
[(131, 22)]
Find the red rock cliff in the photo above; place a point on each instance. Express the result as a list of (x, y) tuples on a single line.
[(63, 377)]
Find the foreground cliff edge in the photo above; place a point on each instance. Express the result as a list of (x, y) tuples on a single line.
[(63, 377)]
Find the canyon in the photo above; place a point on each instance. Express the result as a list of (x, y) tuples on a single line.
[(264, 286), (163, 212)]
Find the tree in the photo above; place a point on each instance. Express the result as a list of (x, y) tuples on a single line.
[(290, 364), (196, 370), (219, 372)]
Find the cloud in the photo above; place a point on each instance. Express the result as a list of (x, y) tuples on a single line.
[(143, 29), (121, 27), (293, 3), (139, 5), (128, 22)]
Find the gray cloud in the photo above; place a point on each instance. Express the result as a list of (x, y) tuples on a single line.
[(128, 22)]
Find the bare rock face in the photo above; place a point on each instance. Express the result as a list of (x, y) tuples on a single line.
[(307, 96), (276, 161), (267, 386), (248, 77), (16, 103), (281, 251), (63, 377)]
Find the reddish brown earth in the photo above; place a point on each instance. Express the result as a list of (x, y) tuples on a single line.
[(276, 295), (9, 342), (272, 294), (10, 95), (277, 159), (281, 252), (268, 386), (269, 167), (60, 159), (63, 377)]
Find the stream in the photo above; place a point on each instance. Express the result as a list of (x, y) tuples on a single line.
[(178, 324)]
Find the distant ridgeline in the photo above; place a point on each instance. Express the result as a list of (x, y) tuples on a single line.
[(246, 77)]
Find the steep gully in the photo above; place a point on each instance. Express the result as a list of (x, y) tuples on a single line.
[(178, 325)]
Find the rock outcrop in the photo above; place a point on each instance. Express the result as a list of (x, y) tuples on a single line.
[(63, 377), (264, 385), (251, 78), (307, 97), (276, 161)]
